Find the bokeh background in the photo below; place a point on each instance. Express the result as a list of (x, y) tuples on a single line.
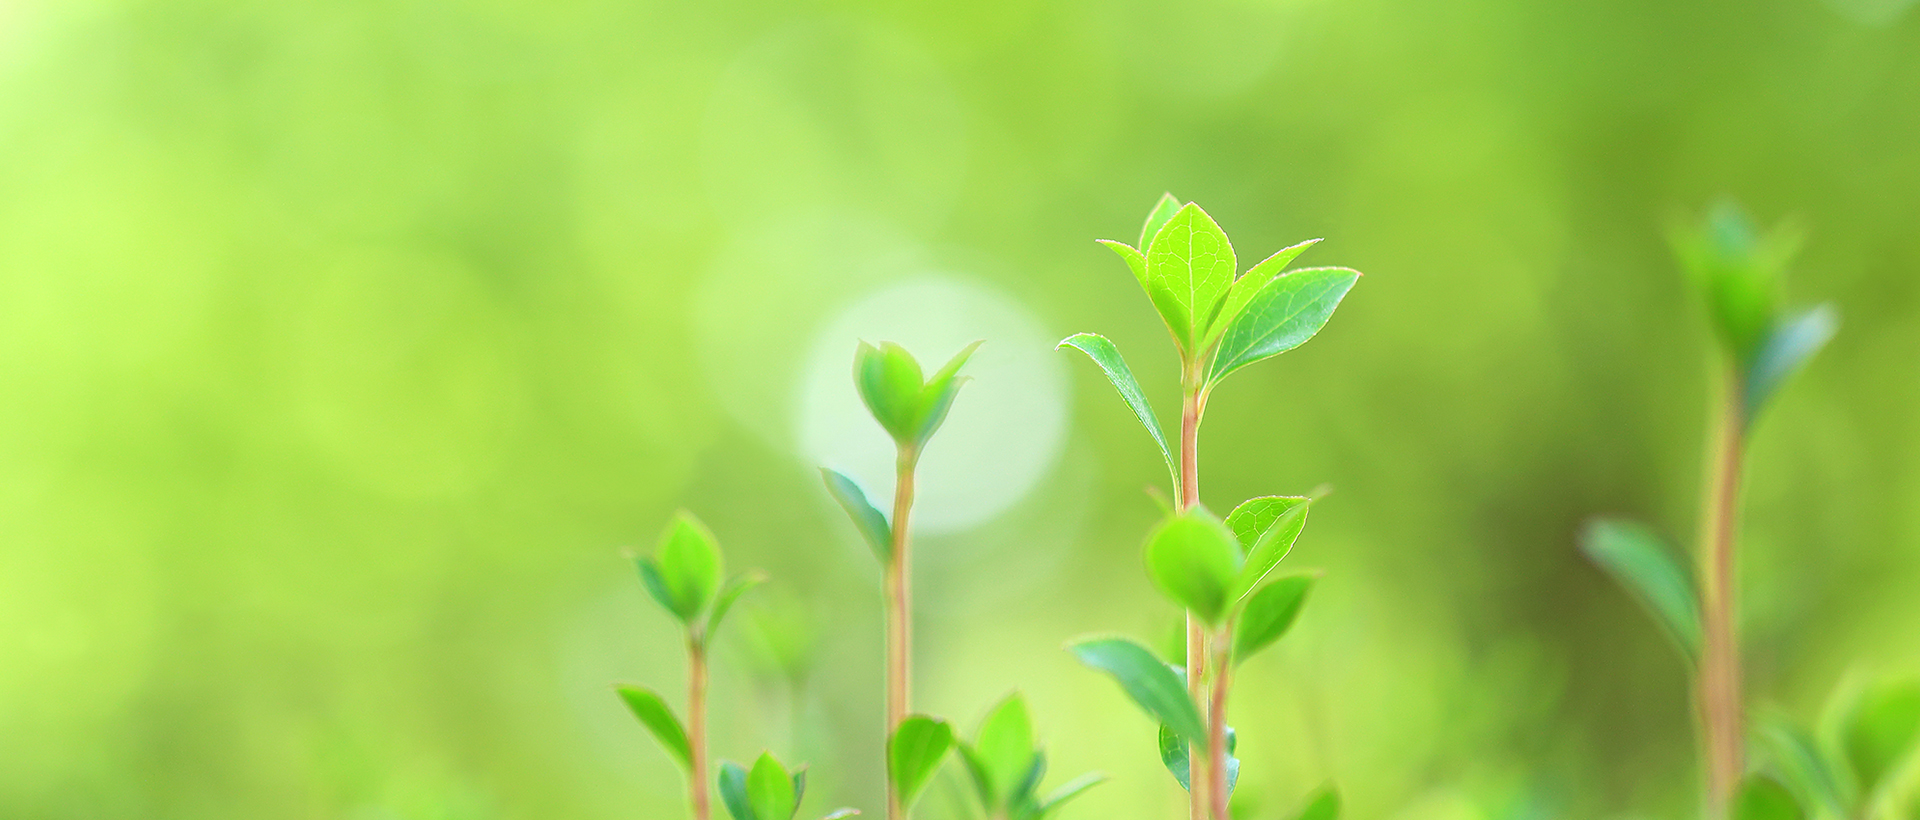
[(346, 346)]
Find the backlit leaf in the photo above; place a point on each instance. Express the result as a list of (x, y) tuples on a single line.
[(1270, 611), (1266, 528), (1282, 315), (1194, 560), (1104, 354), (770, 789), (688, 566), (1150, 683), (1135, 258), (1162, 212), (660, 720), (889, 382), (1190, 265), (1250, 283), (914, 752), (1002, 754)]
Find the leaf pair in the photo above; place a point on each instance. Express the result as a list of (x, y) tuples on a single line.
[(767, 792), (1210, 567), (1007, 767), (907, 406), (1740, 273), (684, 576)]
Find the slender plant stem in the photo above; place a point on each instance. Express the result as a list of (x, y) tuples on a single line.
[(1199, 767), (697, 725), (1217, 726), (900, 615), (1719, 694)]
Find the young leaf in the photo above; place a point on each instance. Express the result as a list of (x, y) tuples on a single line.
[(687, 567), (1739, 273), (889, 381), (660, 720), (1798, 757), (1189, 267), (914, 752), (1104, 354), (1136, 259), (871, 524), (1068, 791), (1636, 558), (1194, 560), (732, 781), (1282, 315), (1149, 682), (799, 787), (1323, 804), (1002, 753), (937, 397), (770, 789), (1266, 528), (1157, 218), (1250, 283), (730, 594), (1788, 346), (1270, 611), (1763, 798), (1881, 732), (1173, 755)]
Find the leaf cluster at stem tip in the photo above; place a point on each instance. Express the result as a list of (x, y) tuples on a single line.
[(908, 406), (768, 791), (1221, 319), (684, 575)]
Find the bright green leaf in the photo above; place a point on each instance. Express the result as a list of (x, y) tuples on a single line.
[(1190, 265), (1637, 559), (872, 525), (1194, 560), (1881, 730), (1250, 283), (1157, 218), (1739, 273), (1323, 804), (914, 752), (1763, 798), (1002, 753), (688, 566), (770, 789), (733, 791), (1269, 613), (936, 398), (1174, 755), (1785, 349), (1104, 354), (1135, 259), (729, 595), (889, 381), (660, 720), (1150, 683), (1266, 528), (1282, 315)]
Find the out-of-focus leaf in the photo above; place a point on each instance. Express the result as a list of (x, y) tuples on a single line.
[(1002, 754), (1881, 730), (872, 525), (1174, 755), (889, 381), (1194, 560), (1104, 354), (1738, 272), (1763, 798), (1798, 757), (1068, 791), (914, 752), (729, 595), (732, 781), (1323, 804), (840, 814), (1282, 315), (771, 790), (1189, 268), (936, 398), (1637, 559), (1270, 611), (1250, 283), (1784, 350), (687, 566), (1162, 212), (1266, 528), (1151, 683), (660, 720)]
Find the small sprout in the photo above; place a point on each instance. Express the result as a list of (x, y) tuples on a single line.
[(909, 408), (767, 792), (660, 720), (685, 571), (914, 752), (1006, 766)]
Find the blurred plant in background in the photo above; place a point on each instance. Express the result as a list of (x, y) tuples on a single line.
[(341, 345)]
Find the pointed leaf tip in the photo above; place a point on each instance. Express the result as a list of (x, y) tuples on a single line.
[(872, 525), (1108, 358), (659, 719), (1149, 682), (914, 752), (1641, 562)]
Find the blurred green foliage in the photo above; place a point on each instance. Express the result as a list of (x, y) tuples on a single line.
[(343, 347)]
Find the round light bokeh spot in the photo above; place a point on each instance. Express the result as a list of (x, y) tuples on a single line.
[(1004, 432)]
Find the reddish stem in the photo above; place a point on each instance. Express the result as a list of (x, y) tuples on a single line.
[(1719, 693), (697, 725)]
